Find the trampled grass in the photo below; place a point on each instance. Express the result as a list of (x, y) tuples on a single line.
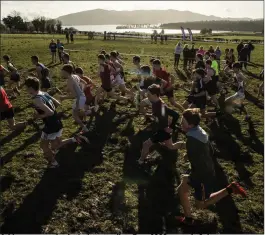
[(99, 188)]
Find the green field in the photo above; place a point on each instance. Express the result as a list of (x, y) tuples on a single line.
[(99, 188)]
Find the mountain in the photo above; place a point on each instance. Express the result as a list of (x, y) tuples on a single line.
[(106, 17)]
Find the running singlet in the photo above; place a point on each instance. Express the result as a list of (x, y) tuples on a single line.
[(4, 101), (105, 77), (87, 89), (11, 68), (42, 66), (163, 74), (77, 86), (52, 124)]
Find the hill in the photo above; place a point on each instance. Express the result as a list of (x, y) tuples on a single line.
[(246, 26), (105, 17)]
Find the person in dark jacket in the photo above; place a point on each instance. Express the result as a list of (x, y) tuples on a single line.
[(186, 56), (192, 55), (251, 48), (243, 56), (240, 46), (202, 176)]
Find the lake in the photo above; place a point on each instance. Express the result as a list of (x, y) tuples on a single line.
[(112, 28)]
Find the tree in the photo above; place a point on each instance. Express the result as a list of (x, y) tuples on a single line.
[(50, 25), (42, 24), (210, 31), (59, 26), (203, 31), (14, 21), (36, 24), (2, 28)]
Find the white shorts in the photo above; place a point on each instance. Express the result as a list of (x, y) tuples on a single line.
[(237, 96), (52, 136), (118, 81), (82, 102), (146, 101)]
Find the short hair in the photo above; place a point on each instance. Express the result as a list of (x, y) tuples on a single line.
[(209, 62), (213, 55), (103, 52), (33, 82), (113, 54), (145, 69), (34, 57), (6, 57), (156, 62), (137, 58), (152, 60), (192, 116), (66, 56), (68, 68), (236, 65), (61, 47), (207, 53), (107, 56), (101, 57), (154, 89), (232, 50), (226, 49), (200, 71), (79, 70)]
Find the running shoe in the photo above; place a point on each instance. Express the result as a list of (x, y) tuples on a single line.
[(53, 164), (237, 189)]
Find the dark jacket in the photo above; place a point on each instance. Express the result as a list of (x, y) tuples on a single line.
[(240, 47), (186, 53), (243, 54)]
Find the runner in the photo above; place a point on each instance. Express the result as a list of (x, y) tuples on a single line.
[(168, 90), (60, 49), (14, 82), (45, 106), (7, 112), (163, 133), (75, 92), (105, 70), (209, 83), (3, 72), (87, 88), (199, 62), (230, 60), (66, 60), (211, 50), (201, 51), (53, 47), (42, 73), (202, 176), (236, 100), (118, 71), (216, 68), (218, 54)]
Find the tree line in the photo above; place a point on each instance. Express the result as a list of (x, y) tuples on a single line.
[(14, 23), (226, 25)]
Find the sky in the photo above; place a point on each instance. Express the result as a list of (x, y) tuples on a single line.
[(54, 9)]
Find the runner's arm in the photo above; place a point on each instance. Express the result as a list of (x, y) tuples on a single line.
[(47, 111), (56, 102)]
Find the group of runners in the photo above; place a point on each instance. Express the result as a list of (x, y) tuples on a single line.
[(153, 82)]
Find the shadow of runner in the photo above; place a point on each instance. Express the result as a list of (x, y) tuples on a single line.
[(38, 206)]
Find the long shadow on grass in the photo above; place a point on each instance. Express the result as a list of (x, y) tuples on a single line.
[(38, 206)]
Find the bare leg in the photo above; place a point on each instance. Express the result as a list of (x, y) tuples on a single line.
[(145, 150), (48, 153), (16, 126), (176, 104)]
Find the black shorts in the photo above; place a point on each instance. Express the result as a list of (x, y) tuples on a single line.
[(199, 102), (202, 191), (15, 77), (8, 114), (45, 84), (211, 88), (2, 80), (169, 94), (109, 89), (90, 101), (160, 136)]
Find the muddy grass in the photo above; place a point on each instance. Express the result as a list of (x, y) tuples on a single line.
[(99, 188)]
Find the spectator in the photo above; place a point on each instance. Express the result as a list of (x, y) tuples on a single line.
[(67, 36), (192, 55), (239, 48), (178, 51), (251, 48), (218, 54), (211, 50), (201, 51), (72, 37), (243, 56), (186, 56)]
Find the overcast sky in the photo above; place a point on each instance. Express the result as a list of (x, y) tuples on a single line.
[(54, 9)]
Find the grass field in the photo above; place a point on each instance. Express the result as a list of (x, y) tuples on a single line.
[(99, 188)]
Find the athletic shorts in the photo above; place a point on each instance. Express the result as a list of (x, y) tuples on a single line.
[(169, 94), (52, 136), (202, 191), (15, 77), (146, 101), (237, 96), (199, 102), (82, 102), (160, 136), (118, 81), (109, 89), (8, 114)]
